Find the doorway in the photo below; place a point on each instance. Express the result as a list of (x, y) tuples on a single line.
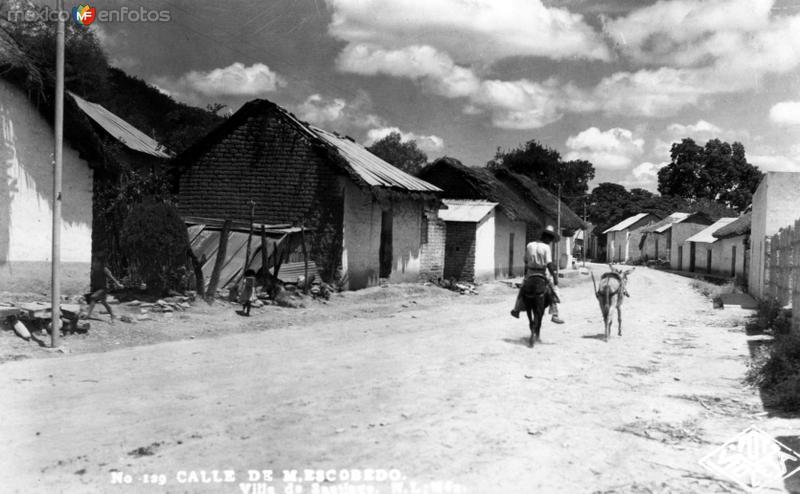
[(733, 260), (691, 256), (385, 252)]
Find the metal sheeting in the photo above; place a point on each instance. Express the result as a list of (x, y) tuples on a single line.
[(706, 236), (373, 170), (667, 223), (626, 223), (121, 130), (465, 210), (204, 242)]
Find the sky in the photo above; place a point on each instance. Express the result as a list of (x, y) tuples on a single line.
[(615, 82)]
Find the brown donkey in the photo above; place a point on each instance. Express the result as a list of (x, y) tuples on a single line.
[(610, 294)]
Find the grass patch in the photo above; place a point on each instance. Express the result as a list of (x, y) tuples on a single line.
[(775, 368), (711, 290)]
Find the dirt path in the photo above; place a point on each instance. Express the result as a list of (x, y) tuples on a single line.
[(448, 394)]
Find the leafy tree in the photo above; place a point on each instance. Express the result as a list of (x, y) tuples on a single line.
[(718, 172), (545, 166), (609, 203), (155, 240), (404, 155)]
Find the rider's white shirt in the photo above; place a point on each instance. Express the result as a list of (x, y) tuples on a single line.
[(538, 255)]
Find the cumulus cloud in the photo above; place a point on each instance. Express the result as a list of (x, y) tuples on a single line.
[(436, 69), (233, 80), (775, 163), (322, 110), (470, 30), (718, 45), (785, 113), (429, 143), (612, 149), (701, 127), (644, 176)]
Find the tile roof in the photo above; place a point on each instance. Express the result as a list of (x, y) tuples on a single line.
[(466, 210), (119, 129), (666, 223), (706, 236), (626, 223)]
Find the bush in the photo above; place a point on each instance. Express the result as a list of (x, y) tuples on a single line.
[(155, 241), (777, 372), (771, 316)]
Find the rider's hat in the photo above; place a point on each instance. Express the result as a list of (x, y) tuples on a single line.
[(550, 231)]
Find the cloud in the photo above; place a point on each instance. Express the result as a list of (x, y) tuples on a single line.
[(436, 69), (613, 149), (233, 80), (643, 176), (701, 127), (718, 45), (429, 144), (322, 110), (788, 162), (469, 30), (785, 113)]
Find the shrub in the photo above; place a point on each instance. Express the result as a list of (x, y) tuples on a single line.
[(771, 316), (777, 372), (155, 241)]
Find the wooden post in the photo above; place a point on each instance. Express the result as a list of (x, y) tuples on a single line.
[(249, 236), (264, 256), (305, 256), (55, 264), (221, 252), (198, 274)]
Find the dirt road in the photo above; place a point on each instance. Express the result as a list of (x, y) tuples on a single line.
[(448, 394)]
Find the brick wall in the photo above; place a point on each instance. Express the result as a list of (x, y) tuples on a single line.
[(459, 261), (267, 160), (432, 248)]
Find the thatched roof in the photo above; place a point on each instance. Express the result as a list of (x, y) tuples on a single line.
[(464, 182), (15, 66), (543, 199), (741, 226)]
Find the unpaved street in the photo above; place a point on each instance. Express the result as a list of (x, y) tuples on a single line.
[(450, 393)]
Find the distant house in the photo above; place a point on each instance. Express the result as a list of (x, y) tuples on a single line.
[(367, 219), (514, 219), (734, 246), (656, 240), (706, 253), (679, 232), (619, 245), (547, 208), (470, 240), (775, 205)]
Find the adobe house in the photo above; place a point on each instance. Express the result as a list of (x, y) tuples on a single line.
[(367, 219), (680, 231), (546, 206), (510, 223), (619, 245), (706, 252), (470, 239), (656, 239), (775, 206), (733, 246)]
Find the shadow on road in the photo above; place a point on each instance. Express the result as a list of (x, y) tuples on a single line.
[(518, 341), (598, 336)]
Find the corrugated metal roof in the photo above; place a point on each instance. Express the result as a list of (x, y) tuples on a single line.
[(627, 222), (706, 236), (119, 129), (466, 210), (667, 223), (373, 170), (739, 227)]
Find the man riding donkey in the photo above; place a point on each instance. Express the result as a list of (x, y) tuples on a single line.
[(539, 262)]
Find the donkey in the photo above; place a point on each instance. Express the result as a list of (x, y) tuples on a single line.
[(534, 296), (613, 287)]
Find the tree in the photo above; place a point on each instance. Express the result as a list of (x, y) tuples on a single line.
[(717, 172), (609, 203), (545, 166), (404, 155)]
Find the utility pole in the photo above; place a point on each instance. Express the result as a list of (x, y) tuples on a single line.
[(55, 264), (585, 235), (558, 232)]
